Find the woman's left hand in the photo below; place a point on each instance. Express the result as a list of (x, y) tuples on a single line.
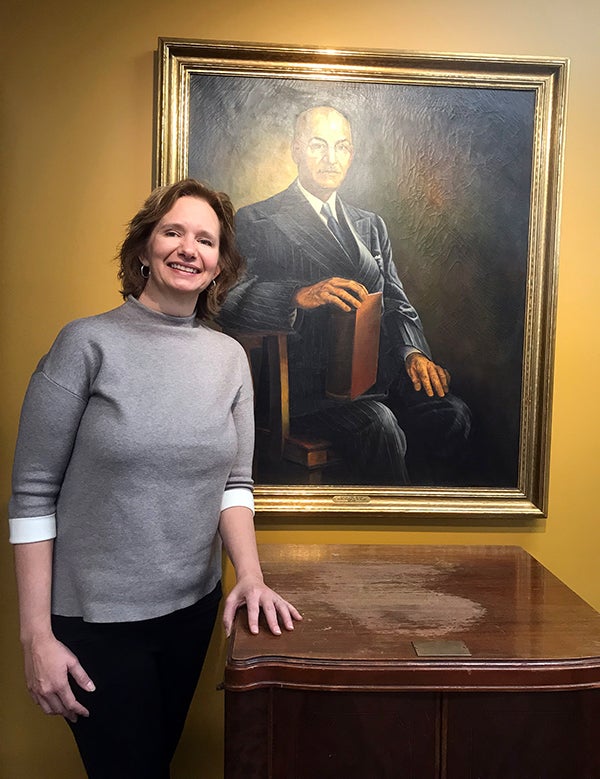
[(255, 595)]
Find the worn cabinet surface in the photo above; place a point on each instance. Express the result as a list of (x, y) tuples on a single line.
[(415, 662)]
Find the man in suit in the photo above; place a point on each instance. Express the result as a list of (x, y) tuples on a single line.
[(308, 251)]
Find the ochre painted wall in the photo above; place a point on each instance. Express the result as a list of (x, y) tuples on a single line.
[(75, 156)]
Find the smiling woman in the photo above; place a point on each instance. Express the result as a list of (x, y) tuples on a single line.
[(133, 464), (182, 257), (181, 216)]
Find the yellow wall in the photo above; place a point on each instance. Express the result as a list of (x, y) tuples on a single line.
[(75, 154)]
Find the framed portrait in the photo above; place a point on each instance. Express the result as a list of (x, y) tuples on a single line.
[(401, 343)]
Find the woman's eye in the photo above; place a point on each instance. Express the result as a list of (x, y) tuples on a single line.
[(170, 233), (205, 241)]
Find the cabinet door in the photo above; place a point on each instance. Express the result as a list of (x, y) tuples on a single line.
[(522, 735), (355, 735), (247, 734)]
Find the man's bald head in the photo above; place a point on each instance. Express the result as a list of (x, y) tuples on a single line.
[(322, 149)]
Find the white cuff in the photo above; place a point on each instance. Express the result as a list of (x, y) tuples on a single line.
[(238, 496), (405, 351), (27, 530)]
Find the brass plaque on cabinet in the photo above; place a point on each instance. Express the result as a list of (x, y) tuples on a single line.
[(441, 648)]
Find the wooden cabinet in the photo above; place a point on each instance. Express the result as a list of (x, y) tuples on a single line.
[(347, 696)]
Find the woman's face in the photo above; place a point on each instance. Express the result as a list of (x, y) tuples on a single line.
[(182, 253)]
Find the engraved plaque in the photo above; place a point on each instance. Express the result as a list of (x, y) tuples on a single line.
[(441, 648)]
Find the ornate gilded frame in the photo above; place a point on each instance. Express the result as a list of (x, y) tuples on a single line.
[(544, 80)]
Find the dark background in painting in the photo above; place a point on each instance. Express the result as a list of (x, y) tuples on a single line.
[(449, 169)]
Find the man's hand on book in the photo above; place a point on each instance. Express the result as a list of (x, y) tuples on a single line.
[(426, 375), (343, 293)]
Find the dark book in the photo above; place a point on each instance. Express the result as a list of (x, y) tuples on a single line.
[(354, 349)]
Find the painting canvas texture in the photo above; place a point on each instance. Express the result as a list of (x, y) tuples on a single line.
[(449, 170)]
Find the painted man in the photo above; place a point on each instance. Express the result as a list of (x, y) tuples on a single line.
[(308, 251)]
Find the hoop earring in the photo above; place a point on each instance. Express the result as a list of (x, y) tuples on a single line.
[(144, 268), (213, 284)]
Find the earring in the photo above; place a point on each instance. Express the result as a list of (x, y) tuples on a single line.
[(144, 270), (213, 284)]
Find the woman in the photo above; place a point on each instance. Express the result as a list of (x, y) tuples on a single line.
[(133, 463)]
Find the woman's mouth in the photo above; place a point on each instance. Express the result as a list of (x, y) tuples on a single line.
[(184, 268)]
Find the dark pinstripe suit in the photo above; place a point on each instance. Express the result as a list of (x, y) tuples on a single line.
[(287, 246)]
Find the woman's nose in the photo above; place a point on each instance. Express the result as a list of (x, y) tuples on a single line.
[(188, 246)]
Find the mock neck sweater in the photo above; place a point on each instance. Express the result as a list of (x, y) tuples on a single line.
[(136, 430)]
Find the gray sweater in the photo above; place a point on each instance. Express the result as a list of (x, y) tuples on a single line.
[(136, 430)]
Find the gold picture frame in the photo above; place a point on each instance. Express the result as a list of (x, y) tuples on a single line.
[(462, 155)]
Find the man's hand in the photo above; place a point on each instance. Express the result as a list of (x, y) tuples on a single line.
[(343, 293), (426, 375)]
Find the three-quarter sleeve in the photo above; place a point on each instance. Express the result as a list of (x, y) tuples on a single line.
[(49, 421), (239, 486), (52, 409)]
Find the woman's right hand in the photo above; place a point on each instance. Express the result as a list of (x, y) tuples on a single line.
[(48, 664)]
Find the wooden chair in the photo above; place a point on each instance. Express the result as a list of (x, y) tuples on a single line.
[(312, 453)]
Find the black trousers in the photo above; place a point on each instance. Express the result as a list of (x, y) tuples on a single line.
[(145, 675)]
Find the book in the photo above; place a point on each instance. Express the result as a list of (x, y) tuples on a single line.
[(354, 349)]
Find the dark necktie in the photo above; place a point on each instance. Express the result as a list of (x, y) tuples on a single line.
[(347, 242)]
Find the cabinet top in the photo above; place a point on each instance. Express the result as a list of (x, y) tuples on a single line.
[(480, 617)]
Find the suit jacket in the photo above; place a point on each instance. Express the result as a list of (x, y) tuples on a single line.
[(287, 246)]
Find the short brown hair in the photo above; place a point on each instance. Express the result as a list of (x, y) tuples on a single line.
[(160, 202)]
